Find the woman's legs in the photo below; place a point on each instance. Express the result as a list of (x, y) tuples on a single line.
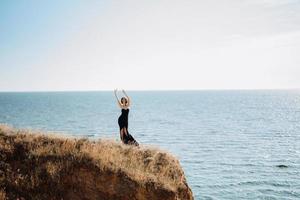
[(130, 139), (123, 133), (127, 138)]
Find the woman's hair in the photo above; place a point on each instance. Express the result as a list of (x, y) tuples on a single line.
[(124, 101)]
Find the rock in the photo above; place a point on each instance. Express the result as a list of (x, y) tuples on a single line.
[(282, 166), (39, 166)]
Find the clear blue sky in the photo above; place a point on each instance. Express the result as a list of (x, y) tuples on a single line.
[(100, 45)]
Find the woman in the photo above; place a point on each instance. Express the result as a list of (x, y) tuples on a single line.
[(123, 119)]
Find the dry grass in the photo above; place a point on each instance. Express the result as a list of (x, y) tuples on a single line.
[(2, 195), (142, 163)]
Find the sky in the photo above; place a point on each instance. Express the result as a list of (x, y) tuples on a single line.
[(149, 45)]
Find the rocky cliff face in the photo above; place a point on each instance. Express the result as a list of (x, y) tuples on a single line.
[(36, 166)]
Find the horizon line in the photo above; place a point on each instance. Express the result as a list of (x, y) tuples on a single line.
[(150, 90)]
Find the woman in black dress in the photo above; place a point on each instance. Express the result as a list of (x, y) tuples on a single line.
[(124, 104)]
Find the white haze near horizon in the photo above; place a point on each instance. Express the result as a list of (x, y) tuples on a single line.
[(154, 45)]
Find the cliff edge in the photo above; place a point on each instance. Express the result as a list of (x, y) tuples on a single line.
[(38, 166)]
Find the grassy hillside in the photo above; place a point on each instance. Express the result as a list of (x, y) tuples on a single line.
[(38, 166)]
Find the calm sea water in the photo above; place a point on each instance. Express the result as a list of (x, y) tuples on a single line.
[(229, 143)]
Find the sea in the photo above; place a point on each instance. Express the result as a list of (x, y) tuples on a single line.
[(232, 144)]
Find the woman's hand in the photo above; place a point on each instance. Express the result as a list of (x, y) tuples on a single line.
[(124, 93), (119, 103)]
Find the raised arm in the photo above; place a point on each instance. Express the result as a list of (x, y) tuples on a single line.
[(119, 103), (128, 98)]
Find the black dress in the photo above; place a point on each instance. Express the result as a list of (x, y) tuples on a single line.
[(123, 123)]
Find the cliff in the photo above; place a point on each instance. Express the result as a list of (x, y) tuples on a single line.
[(39, 166)]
